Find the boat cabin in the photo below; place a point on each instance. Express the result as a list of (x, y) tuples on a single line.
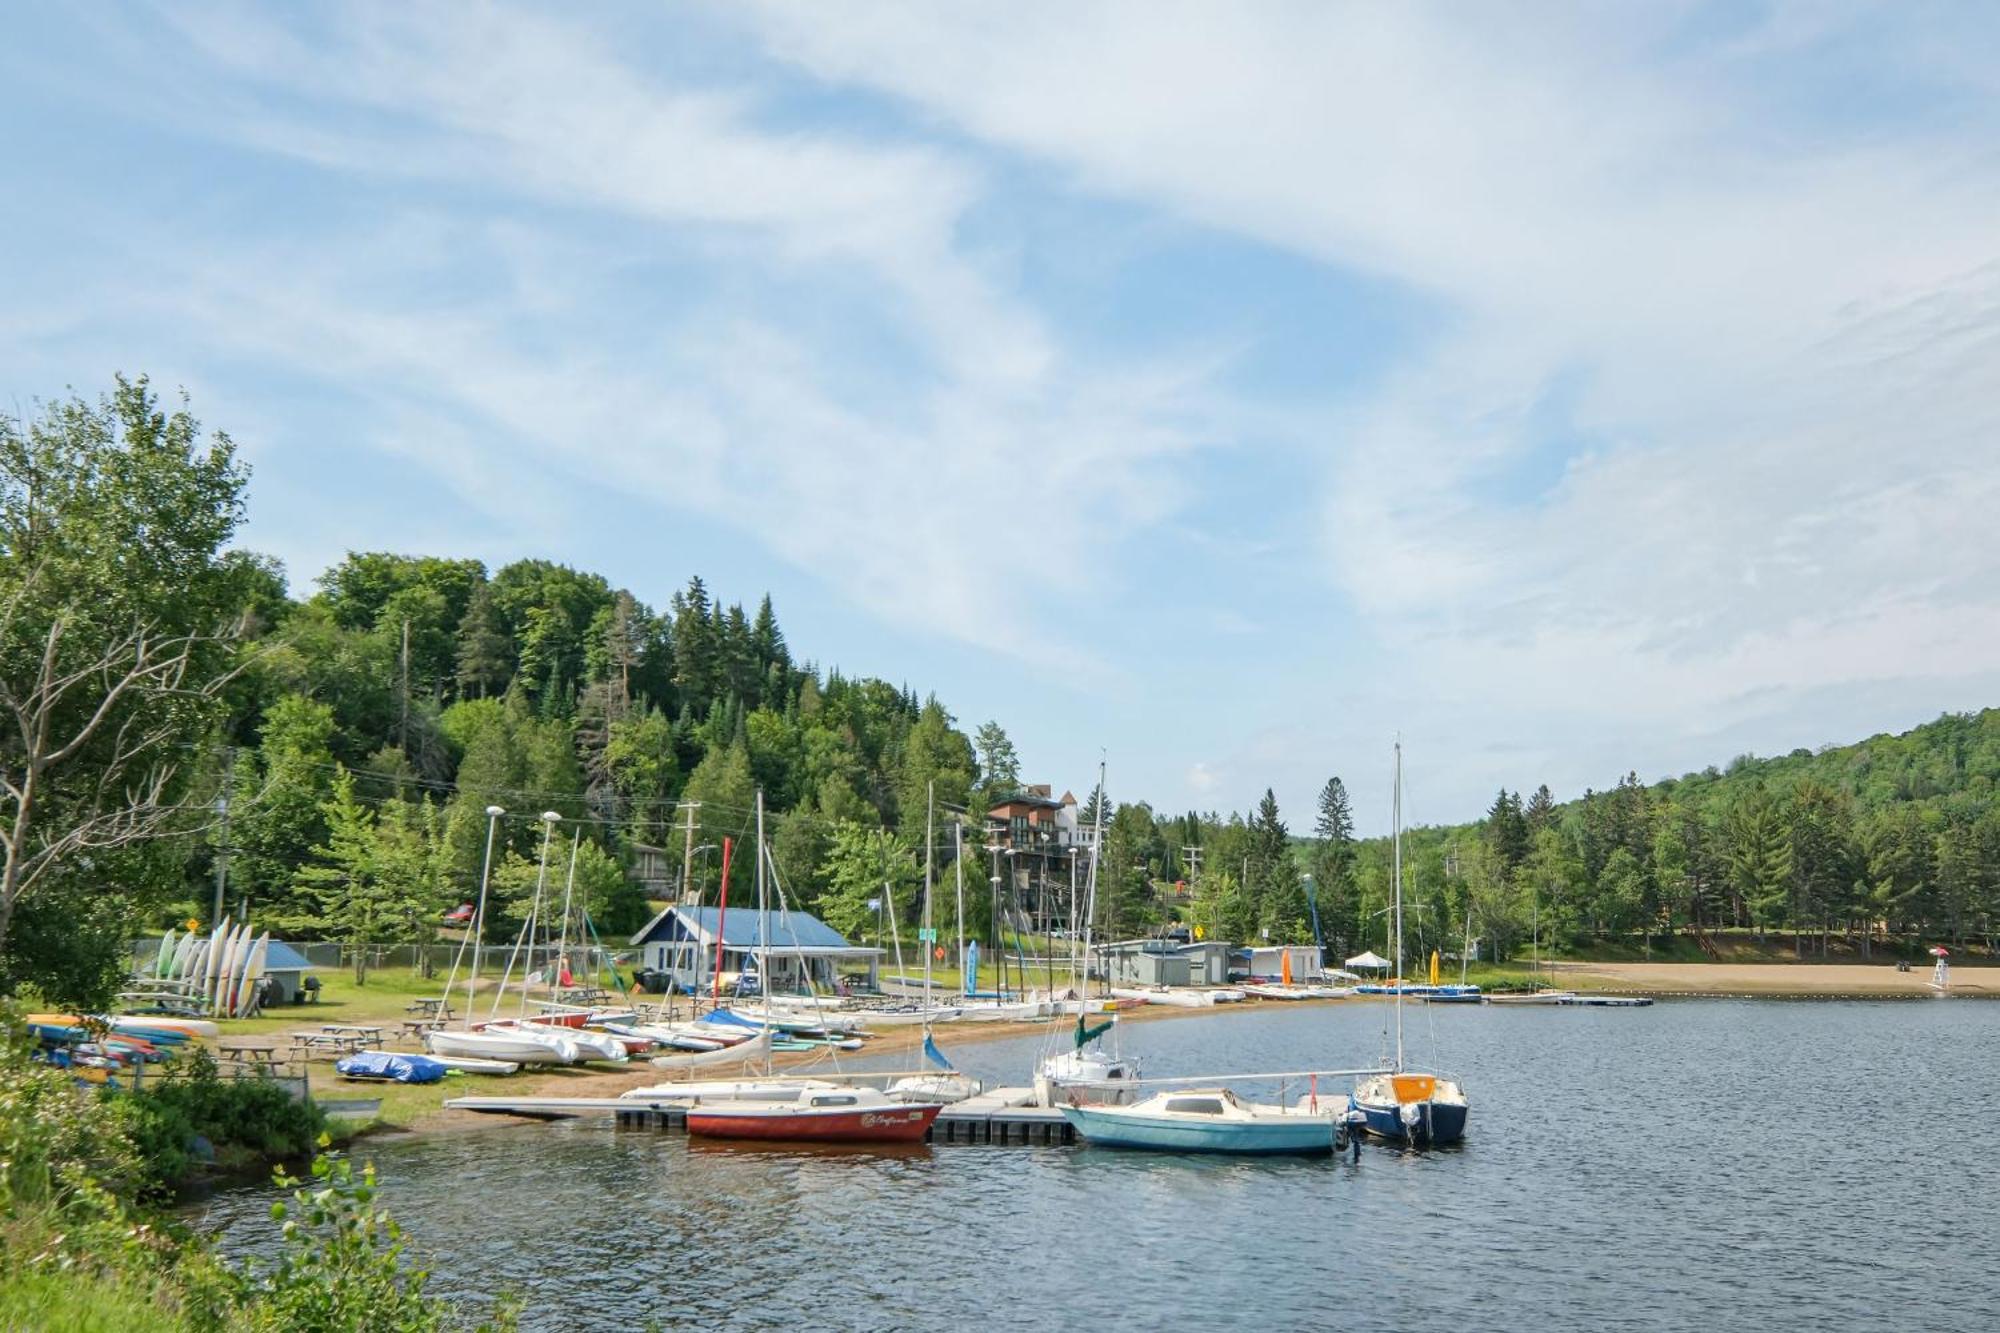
[(789, 953)]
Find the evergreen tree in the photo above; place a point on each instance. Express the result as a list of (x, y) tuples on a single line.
[(485, 652), (999, 765)]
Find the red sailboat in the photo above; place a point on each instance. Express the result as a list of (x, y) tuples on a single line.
[(825, 1115)]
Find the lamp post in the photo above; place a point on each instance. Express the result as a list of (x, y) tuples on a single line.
[(549, 821), (493, 814)]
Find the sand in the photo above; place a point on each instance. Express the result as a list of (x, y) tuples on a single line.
[(1797, 979)]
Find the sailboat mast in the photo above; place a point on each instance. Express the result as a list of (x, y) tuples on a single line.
[(1396, 818), (924, 939), (763, 925), (569, 892), (958, 872), (763, 952), (1090, 890), (493, 813)]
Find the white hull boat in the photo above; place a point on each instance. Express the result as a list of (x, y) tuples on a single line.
[(1021, 1011), (1179, 999), (514, 1048), (732, 1090), (754, 1049)]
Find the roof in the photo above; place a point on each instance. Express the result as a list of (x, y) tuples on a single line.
[(1026, 798), (282, 957), (786, 931)]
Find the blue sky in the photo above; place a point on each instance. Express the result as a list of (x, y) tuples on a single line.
[(1223, 388)]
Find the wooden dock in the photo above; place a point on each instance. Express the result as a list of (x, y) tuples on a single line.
[(1003, 1116)]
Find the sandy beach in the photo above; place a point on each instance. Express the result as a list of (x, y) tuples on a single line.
[(1795, 979)]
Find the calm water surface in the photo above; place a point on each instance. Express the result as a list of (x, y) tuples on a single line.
[(1701, 1164)]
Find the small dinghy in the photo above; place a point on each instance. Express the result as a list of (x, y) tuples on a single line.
[(519, 1048)]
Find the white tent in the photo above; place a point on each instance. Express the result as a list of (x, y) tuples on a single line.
[(1373, 962)]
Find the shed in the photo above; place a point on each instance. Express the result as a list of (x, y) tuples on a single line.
[(797, 949), (286, 969), (1267, 961), (1145, 963), (1208, 961)]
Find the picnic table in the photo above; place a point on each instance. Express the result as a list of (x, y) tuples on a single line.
[(436, 1008), (306, 1044), (259, 1055), (363, 1031), (415, 1028)]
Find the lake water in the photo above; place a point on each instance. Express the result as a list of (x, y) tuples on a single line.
[(1700, 1164)]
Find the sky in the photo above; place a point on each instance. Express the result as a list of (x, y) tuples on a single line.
[(1221, 390)]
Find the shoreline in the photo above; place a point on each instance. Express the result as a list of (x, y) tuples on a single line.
[(1799, 981)]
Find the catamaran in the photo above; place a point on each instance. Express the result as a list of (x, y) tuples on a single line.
[(1415, 1107)]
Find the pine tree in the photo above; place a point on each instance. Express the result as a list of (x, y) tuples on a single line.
[(1541, 812), (999, 765), (485, 652)]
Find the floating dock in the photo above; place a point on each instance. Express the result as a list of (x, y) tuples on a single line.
[(1003, 1116)]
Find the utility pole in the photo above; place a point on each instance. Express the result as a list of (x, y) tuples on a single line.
[(222, 846), (687, 853), (403, 729), (1191, 858)]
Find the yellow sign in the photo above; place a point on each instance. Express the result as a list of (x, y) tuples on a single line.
[(194, 923), (1199, 933)]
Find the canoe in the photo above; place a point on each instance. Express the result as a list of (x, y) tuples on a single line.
[(466, 1064), (835, 1115)]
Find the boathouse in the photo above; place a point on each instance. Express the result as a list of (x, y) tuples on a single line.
[(1266, 962), (799, 950), (1208, 961), (1147, 962)]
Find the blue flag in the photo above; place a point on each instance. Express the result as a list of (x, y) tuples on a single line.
[(972, 968)]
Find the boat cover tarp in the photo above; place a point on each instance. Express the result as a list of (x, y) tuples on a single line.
[(395, 1068)]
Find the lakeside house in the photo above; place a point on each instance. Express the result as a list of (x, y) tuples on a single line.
[(1037, 841), (800, 950)]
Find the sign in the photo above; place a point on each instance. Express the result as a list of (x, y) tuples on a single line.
[(1199, 933), (927, 935)]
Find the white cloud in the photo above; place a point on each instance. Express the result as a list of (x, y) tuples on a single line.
[(716, 405), (1778, 323)]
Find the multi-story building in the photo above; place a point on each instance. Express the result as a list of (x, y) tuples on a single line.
[(1036, 842)]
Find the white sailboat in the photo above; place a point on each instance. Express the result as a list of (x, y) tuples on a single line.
[(1092, 1066)]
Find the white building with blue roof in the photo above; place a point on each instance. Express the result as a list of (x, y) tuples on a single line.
[(791, 948)]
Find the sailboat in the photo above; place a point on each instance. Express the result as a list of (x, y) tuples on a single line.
[(1410, 1105), (1213, 1120), (941, 1081), (1091, 1066)]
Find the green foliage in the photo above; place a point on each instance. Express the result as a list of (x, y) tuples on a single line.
[(242, 1121), (116, 613), (859, 863), (342, 1265)]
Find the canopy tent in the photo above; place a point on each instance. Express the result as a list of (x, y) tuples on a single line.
[(1373, 962)]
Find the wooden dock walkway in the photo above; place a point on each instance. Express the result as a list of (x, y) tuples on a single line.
[(1003, 1116)]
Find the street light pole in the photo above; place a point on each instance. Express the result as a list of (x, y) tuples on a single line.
[(493, 813)]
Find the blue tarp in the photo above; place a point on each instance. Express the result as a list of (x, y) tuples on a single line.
[(397, 1068)]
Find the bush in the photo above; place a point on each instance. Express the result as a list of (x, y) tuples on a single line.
[(243, 1120), (342, 1265)]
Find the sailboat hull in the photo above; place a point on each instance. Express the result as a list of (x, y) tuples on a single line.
[(1268, 1136), (1434, 1124), (903, 1124)]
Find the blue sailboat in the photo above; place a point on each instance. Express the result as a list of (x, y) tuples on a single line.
[(1404, 1104), (1213, 1120)]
